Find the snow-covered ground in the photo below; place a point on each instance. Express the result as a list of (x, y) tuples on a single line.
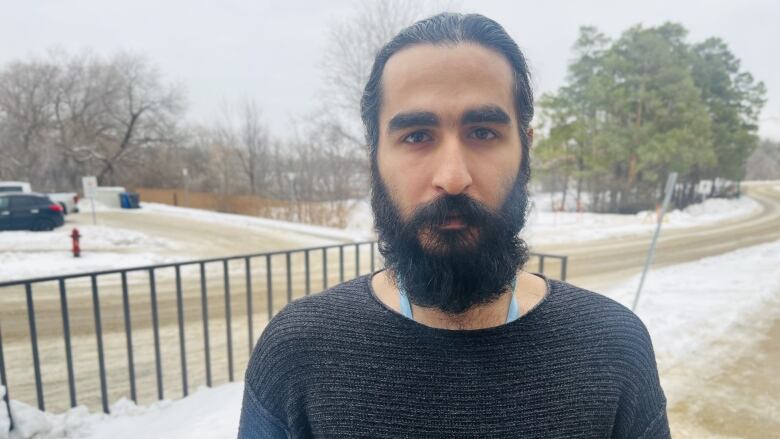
[(686, 308), (26, 254), (547, 227), (250, 221), (35, 254), (209, 413)]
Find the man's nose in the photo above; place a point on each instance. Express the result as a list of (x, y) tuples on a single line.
[(451, 174)]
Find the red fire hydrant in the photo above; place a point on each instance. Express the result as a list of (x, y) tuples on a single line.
[(75, 235)]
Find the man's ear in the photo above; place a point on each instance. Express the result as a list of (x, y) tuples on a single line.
[(530, 133)]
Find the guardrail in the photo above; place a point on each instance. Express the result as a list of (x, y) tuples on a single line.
[(61, 289)]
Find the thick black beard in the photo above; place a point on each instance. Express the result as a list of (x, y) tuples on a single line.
[(452, 270)]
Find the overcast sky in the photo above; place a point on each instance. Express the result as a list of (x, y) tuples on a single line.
[(224, 51)]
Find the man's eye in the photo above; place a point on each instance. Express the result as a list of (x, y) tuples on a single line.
[(417, 137), (483, 134)]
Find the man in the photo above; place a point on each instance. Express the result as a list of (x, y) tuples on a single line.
[(452, 339)]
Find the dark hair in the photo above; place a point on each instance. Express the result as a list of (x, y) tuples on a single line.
[(450, 28)]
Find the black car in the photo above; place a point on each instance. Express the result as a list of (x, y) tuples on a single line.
[(26, 211)]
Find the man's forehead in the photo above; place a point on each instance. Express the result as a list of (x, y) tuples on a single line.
[(451, 78)]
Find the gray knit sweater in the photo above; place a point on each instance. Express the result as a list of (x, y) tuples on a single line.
[(340, 364)]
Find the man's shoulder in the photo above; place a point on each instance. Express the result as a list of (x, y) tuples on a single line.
[(595, 320), (307, 325), (589, 306), (317, 312)]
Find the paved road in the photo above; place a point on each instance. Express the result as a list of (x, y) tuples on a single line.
[(597, 264), (594, 265)]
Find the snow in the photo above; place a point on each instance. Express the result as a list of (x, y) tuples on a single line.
[(26, 254), (99, 238), (207, 413), (35, 254), (250, 221), (686, 308), (5, 422), (546, 227)]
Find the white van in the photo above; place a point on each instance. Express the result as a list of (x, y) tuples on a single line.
[(15, 186)]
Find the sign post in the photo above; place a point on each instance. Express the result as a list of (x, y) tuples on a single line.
[(185, 173), (670, 182), (89, 183)]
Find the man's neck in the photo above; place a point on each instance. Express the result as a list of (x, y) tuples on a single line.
[(530, 290)]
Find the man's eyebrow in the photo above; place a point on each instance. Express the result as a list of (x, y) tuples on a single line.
[(412, 119), (485, 114)]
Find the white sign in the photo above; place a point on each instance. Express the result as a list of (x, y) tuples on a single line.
[(90, 185)]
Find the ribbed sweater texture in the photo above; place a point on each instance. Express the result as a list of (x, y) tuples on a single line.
[(341, 364)]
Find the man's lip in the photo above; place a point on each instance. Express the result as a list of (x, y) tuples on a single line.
[(454, 222)]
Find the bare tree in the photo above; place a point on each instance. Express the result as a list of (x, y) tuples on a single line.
[(25, 114), (352, 45), (142, 113), (764, 163), (65, 115)]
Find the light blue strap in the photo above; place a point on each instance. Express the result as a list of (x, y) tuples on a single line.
[(514, 309), (406, 308)]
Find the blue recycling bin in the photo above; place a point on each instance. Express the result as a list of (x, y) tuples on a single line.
[(129, 200)]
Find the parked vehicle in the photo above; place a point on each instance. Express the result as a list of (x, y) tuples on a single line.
[(68, 200), (29, 211), (14, 186)]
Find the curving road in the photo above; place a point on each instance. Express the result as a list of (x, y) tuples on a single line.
[(597, 264)]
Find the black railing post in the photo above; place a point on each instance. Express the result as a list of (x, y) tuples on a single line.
[(308, 274), (204, 304), (289, 276), (66, 336), (156, 333), (541, 263), (34, 345), (269, 286), (357, 260), (324, 268), (564, 267), (99, 339), (228, 319), (341, 263), (182, 343), (4, 383), (128, 337), (249, 310), (372, 256)]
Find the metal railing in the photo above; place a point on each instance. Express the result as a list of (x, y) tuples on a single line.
[(59, 290)]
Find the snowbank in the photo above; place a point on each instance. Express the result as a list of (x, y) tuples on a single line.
[(36, 254), (546, 227), (251, 221), (208, 413), (25, 265), (686, 308), (98, 238)]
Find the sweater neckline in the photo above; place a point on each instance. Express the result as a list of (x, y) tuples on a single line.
[(523, 320)]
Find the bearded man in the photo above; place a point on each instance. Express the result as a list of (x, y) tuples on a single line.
[(452, 339)]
